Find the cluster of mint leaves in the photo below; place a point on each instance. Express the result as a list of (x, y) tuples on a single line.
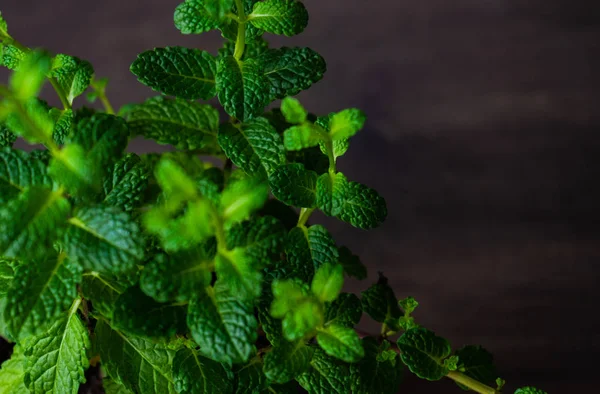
[(177, 275)]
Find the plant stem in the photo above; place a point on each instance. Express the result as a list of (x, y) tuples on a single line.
[(471, 383), (107, 106), (240, 42), (304, 215)]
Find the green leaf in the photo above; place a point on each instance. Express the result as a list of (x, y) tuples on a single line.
[(103, 290), (56, 360), (6, 276), (293, 111), (294, 185), (345, 311), (346, 123), (46, 289), (18, 171), (302, 136), (177, 71), (287, 361), (229, 28), (176, 277), (72, 74), (126, 183), (341, 342), (242, 87), (353, 267), (301, 312), (262, 239), (252, 49), (308, 249), (327, 375), (104, 239), (139, 364), (423, 353), (242, 198), (529, 390), (27, 80), (11, 56), (332, 190), (110, 386), (71, 168), (408, 304), (240, 274), (184, 124), (250, 378), (287, 17), (35, 124), (477, 363), (291, 70), (30, 223), (379, 301), (12, 373), (223, 325), (375, 374), (3, 28), (7, 137), (328, 282), (193, 373), (63, 124), (218, 8), (363, 207), (192, 17), (254, 146)]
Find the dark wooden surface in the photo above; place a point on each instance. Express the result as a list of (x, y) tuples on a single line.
[(482, 136)]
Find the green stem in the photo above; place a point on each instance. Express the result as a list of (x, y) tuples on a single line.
[(471, 383), (107, 106), (304, 215), (240, 42)]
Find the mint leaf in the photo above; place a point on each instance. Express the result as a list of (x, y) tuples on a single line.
[(56, 360), (308, 249), (345, 311), (287, 17), (103, 290), (27, 80), (328, 281), (262, 239), (7, 137), (71, 168), (374, 373), (6, 276), (218, 8), (193, 373), (242, 198), (253, 146), (477, 363), (327, 375), (341, 342), (353, 267), (30, 223), (192, 17), (126, 183), (184, 124), (223, 326), (529, 390), (238, 271), (104, 239), (177, 71), (250, 378), (287, 361), (294, 185), (18, 171), (423, 353), (3, 28), (72, 74), (63, 124), (301, 312), (379, 301), (111, 387), (12, 373), (46, 289), (241, 87), (302, 136), (293, 111), (332, 191), (35, 125), (363, 207), (139, 364), (11, 56), (291, 70), (346, 123)]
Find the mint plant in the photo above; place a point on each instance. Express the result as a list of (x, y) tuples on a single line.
[(176, 275)]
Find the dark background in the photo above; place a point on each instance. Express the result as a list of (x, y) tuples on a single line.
[(482, 137)]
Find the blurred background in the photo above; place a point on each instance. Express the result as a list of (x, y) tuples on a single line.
[(482, 136)]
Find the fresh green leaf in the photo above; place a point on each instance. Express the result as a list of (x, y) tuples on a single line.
[(341, 342), (18, 171), (192, 17), (31, 223), (529, 390), (254, 146), (193, 373), (27, 80), (242, 87), (262, 239), (408, 304), (353, 267), (250, 378), (379, 372), (110, 386), (6, 276), (242, 198), (327, 375), (291, 70), (294, 185), (12, 372), (34, 123), (346, 123), (71, 168), (72, 74), (239, 272), (11, 56), (3, 28), (218, 8), (103, 290), (7, 137), (177, 71), (345, 311), (328, 281), (286, 17), (139, 364), (63, 124), (287, 361), (252, 49), (223, 325), (477, 363), (301, 312), (363, 207), (56, 360), (126, 183), (379, 301), (104, 239), (293, 111), (332, 190), (184, 124), (423, 352), (302, 136), (46, 290), (308, 249)]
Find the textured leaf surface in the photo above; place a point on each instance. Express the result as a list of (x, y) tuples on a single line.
[(309, 249), (253, 146), (11, 56), (262, 239), (242, 87), (302, 136), (379, 302), (126, 183), (72, 74), (103, 290), (302, 313), (6, 276), (63, 124), (46, 289), (294, 185), (287, 361), (423, 353), (250, 378), (292, 70), (327, 375), (287, 17), (12, 373), (141, 365), (346, 123), (239, 272), (19, 171), (529, 390), (477, 363), (195, 374), (184, 124), (177, 71), (104, 239), (223, 326), (352, 264), (57, 359), (328, 281), (363, 207), (111, 387), (30, 223), (375, 374), (7, 137), (341, 342), (345, 311), (192, 17), (331, 193)]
